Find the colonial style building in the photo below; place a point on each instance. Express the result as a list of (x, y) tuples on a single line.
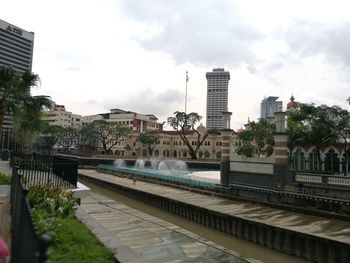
[(170, 145)]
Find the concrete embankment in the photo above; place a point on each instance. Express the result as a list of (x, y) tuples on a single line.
[(311, 237)]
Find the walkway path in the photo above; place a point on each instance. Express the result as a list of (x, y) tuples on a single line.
[(139, 237), (318, 226)]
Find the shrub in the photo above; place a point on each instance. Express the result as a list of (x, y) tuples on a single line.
[(5, 179)]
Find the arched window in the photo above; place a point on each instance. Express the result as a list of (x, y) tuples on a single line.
[(218, 155), (312, 160), (331, 162), (156, 153), (175, 153), (206, 154), (298, 160)]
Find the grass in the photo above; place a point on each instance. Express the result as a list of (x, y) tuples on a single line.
[(5, 179), (75, 243)]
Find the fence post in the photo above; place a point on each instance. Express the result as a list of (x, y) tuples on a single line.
[(44, 243)]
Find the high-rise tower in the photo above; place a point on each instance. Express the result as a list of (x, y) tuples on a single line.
[(268, 107), (16, 47), (217, 95)]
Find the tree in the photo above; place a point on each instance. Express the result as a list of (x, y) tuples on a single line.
[(317, 125), (149, 139), (108, 134), (49, 137), (295, 133), (14, 90), (27, 120), (259, 136), (341, 120), (184, 124)]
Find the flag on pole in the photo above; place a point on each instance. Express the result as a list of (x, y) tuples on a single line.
[(186, 76)]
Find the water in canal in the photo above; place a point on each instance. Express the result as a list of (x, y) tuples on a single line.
[(243, 247)]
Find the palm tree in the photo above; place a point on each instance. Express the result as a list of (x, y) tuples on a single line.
[(28, 121), (14, 90)]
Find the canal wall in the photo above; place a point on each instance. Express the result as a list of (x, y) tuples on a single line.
[(314, 248)]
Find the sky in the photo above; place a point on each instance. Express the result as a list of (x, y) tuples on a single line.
[(95, 55)]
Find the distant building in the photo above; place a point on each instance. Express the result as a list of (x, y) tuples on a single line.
[(217, 96), (268, 107), (60, 117), (138, 122), (16, 51)]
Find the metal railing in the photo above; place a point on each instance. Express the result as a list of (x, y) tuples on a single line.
[(27, 246), (45, 169)]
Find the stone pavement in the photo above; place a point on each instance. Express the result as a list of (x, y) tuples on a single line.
[(332, 229), (138, 237)]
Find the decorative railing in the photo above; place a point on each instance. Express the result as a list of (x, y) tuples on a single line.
[(27, 246)]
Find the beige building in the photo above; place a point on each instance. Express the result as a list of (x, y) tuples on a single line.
[(60, 117), (171, 146), (136, 121)]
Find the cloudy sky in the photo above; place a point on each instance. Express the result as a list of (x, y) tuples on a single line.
[(94, 55)]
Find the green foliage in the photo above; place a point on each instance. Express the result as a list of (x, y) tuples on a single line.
[(246, 150), (56, 201), (15, 97), (50, 135), (317, 125), (260, 137), (5, 179), (77, 244), (149, 139), (185, 125), (46, 224)]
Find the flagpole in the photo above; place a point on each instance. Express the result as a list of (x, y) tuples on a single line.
[(186, 93)]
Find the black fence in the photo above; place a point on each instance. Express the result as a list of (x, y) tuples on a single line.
[(45, 169), (27, 246)]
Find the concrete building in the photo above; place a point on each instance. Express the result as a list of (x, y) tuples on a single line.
[(268, 107), (171, 146), (138, 122), (16, 47), (60, 117), (217, 97), (16, 51)]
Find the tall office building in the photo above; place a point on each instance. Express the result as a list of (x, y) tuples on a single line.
[(16, 51), (217, 95), (268, 107), (16, 47)]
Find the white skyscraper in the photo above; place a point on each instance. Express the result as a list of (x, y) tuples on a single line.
[(217, 95)]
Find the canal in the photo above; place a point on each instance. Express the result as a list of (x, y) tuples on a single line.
[(242, 247)]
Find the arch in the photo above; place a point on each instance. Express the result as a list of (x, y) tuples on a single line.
[(346, 155), (331, 161), (175, 153), (156, 153), (117, 152), (312, 159), (184, 153), (207, 154), (298, 159), (218, 155)]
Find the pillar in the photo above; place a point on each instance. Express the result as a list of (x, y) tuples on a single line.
[(225, 150), (281, 167)]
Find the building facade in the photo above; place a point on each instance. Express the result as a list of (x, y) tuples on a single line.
[(60, 117), (16, 51), (268, 107), (136, 121), (217, 97), (16, 47)]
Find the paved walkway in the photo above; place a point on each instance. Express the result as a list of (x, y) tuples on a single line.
[(139, 237), (314, 225)]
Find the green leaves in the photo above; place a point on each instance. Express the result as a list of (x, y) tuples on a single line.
[(149, 139)]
